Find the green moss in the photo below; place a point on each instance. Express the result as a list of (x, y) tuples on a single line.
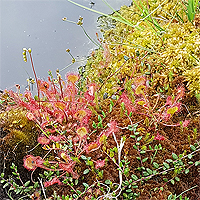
[(177, 48)]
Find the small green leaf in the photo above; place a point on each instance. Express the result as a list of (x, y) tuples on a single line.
[(110, 108), (138, 158), (164, 173), (197, 163), (27, 183), (172, 181), (27, 189), (150, 147), (86, 185), (6, 185), (46, 173), (99, 118), (129, 190), (36, 184), (177, 178), (145, 173), (126, 170), (84, 157), (169, 160), (78, 191), (193, 148), (2, 175), (135, 147), (100, 125), (136, 133), (86, 171), (149, 171), (94, 125), (166, 165), (165, 179), (174, 156), (190, 156), (139, 138), (156, 165), (187, 171), (111, 102), (3, 181), (161, 188), (134, 177), (145, 159), (108, 182), (130, 128), (103, 113), (17, 191)]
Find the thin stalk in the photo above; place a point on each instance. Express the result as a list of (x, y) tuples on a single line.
[(99, 45), (101, 13), (38, 89), (116, 12), (186, 191)]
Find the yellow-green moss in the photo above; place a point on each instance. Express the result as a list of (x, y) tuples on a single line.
[(176, 50)]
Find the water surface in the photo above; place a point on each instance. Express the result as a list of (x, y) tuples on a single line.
[(38, 24)]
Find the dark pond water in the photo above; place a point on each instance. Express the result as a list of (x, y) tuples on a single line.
[(38, 24)]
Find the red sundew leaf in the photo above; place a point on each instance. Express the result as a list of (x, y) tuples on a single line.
[(166, 116), (185, 123), (81, 132), (36, 195), (72, 77), (39, 162), (43, 85), (99, 164), (106, 53), (91, 89), (168, 101), (30, 116), (88, 97), (52, 182), (55, 138), (92, 146), (68, 167), (140, 89), (83, 115), (60, 105), (59, 115), (43, 140), (180, 93), (69, 91), (80, 114), (172, 110), (65, 157), (140, 81), (28, 95), (127, 102), (30, 162), (102, 138), (112, 128), (159, 137)]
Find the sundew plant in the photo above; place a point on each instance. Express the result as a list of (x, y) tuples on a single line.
[(126, 126)]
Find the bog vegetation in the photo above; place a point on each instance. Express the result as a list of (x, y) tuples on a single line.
[(125, 127)]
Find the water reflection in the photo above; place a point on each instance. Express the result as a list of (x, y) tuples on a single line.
[(38, 24)]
